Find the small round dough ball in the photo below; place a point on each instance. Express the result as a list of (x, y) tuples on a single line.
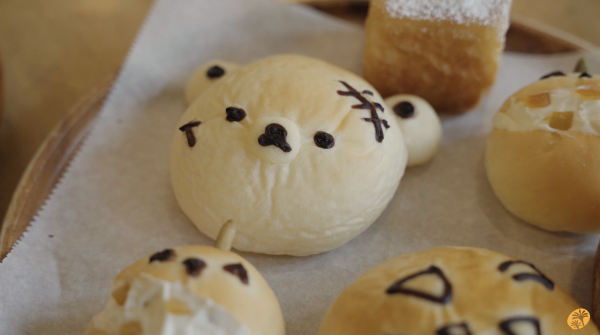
[(207, 75), (197, 288), (301, 156), (420, 124), (447, 291), (543, 155)]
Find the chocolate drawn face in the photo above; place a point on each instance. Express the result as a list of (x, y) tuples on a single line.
[(284, 129), (189, 265), (276, 134), (509, 326)]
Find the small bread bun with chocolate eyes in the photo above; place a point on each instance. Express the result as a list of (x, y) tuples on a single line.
[(421, 127), (205, 76), (453, 291), (190, 290), (543, 156), (302, 156)]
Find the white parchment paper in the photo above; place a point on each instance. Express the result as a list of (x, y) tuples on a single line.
[(115, 204)]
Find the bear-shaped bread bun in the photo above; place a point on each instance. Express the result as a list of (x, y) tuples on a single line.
[(300, 155), (543, 156), (453, 291), (190, 290)]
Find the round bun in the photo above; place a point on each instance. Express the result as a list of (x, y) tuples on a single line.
[(543, 156), (300, 155), (420, 125), (196, 288), (447, 291)]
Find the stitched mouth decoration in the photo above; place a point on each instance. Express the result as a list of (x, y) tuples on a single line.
[(366, 104)]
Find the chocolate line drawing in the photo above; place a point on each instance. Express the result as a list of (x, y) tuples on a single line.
[(189, 132), (445, 298), (366, 104), (539, 277)]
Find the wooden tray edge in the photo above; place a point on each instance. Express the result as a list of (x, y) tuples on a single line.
[(48, 165)]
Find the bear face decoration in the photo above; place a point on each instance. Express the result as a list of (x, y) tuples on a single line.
[(543, 156), (190, 290), (452, 291), (300, 155)]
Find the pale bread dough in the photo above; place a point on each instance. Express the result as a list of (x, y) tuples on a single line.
[(304, 201), (422, 131), (161, 297), (452, 291)]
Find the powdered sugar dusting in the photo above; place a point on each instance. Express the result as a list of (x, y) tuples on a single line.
[(484, 12)]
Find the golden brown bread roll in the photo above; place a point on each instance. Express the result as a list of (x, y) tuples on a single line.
[(543, 156), (190, 290), (451, 291)]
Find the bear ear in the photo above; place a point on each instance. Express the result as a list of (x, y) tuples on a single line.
[(420, 125), (205, 76)]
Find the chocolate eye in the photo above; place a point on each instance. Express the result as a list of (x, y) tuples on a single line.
[(446, 297), (162, 256), (235, 114), (537, 276), (585, 75), (215, 72), (194, 266), (324, 140), (554, 74), (237, 270), (404, 109)]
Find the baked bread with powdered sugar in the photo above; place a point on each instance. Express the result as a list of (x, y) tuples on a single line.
[(445, 51)]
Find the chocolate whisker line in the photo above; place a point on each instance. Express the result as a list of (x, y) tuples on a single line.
[(366, 104), (189, 132)]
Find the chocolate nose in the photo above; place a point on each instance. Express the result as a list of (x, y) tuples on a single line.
[(275, 134), (274, 139)]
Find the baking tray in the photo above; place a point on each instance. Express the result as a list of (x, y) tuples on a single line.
[(54, 155)]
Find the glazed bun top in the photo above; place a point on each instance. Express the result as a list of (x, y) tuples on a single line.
[(195, 287), (556, 103), (300, 155), (448, 291)]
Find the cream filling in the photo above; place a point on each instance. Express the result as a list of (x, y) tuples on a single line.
[(586, 113), (163, 308)]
